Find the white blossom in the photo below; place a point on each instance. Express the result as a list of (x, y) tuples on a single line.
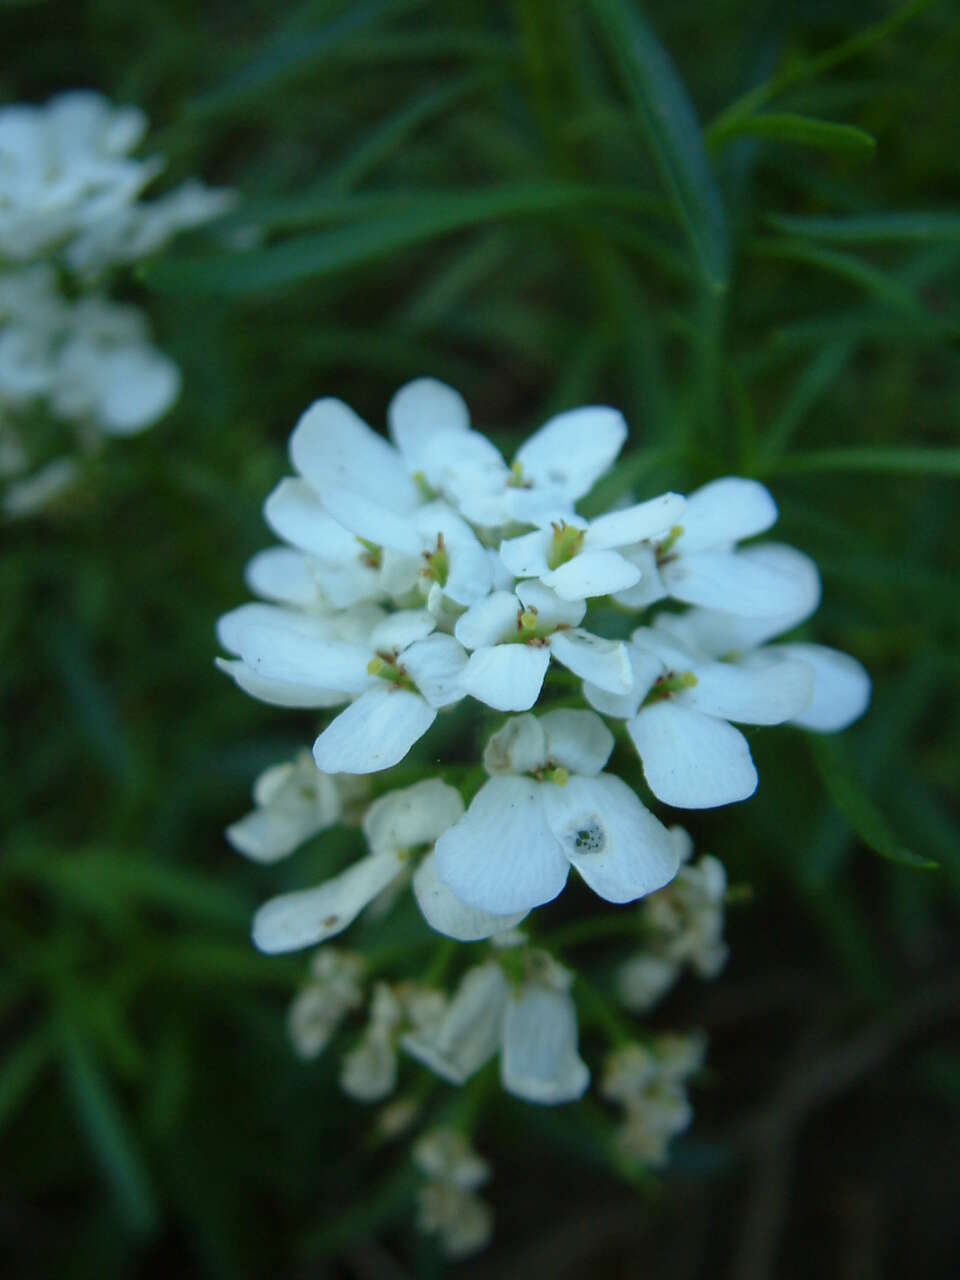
[(293, 802), (682, 926), (448, 1205), (369, 1071), (548, 806), (399, 827), (68, 182), (649, 1082), (531, 1022), (334, 990)]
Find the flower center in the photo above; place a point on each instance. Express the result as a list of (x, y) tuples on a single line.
[(386, 666), (670, 683), (663, 549), (437, 563), (372, 554), (567, 541)]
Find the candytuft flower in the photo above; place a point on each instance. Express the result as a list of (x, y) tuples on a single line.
[(548, 806)]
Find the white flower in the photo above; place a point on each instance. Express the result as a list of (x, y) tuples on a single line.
[(698, 561), (678, 711), (334, 990), (395, 675), (577, 558), (649, 1082), (294, 802), (546, 806), (514, 633), (841, 686), (369, 1071), (448, 1206), (68, 182), (683, 926), (398, 827), (91, 361), (36, 492), (532, 1023)]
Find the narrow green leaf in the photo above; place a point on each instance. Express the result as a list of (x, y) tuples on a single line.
[(289, 54), (855, 806), (111, 1143), (869, 460), (20, 1070), (933, 227), (813, 383), (673, 132), (846, 266), (804, 70), (797, 130), (414, 219), (369, 152)]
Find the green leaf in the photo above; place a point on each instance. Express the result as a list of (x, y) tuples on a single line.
[(414, 219), (846, 266), (804, 70), (289, 54), (673, 132), (855, 806), (870, 460), (104, 1124), (797, 130), (813, 383), (933, 227)]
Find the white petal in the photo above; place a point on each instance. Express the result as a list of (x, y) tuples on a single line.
[(550, 609), (571, 451), (136, 387), (278, 652), (296, 920), (526, 556), (734, 582), (444, 911), (636, 523), (725, 511), (666, 648), (280, 574), (337, 452), (489, 620), (414, 816), (436, 666), (592, 573), (469, 577), (841, 689), (418, 412), (267, 835), (577, 740), (616, 844), (470, 1032), (768, 692), (690, 760), (646, 668), (650, 588), (373, 733), (501, 855), (279, 693), (399, 630), (519, 747), (539, 1061), (719, 632), (232, 626), (507, 677), (603, 662), (296, 513), (373, 522)]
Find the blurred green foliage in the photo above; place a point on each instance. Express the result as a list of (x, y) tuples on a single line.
[(737, 222)]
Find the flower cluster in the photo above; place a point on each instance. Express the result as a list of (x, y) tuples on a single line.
[(421, 577), (70, 210), (449, 1205)]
